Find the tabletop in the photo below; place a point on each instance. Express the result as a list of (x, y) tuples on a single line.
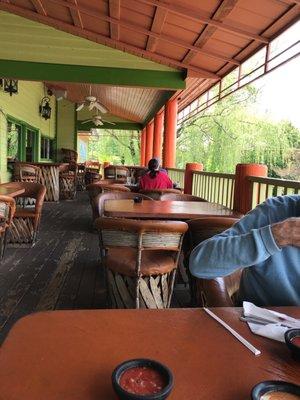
[(71, 354), (165, 209), (11, 189)]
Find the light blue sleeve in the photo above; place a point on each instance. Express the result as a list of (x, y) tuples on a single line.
[(248, 242)]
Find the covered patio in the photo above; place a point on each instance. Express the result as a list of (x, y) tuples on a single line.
[(83, 236)]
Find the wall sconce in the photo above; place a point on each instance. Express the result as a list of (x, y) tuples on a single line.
[(45, 109), (10, 86)]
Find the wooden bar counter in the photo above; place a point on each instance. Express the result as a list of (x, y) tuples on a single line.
[(71, 354)]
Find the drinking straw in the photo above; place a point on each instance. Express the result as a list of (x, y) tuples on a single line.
[(233, 332)]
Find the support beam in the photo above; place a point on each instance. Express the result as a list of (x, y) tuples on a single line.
[(169, 148), (38, 5), (149, 142), (75, 14), (222, 11), (195, 16), (158, 134), (143, 147), (115, 12), (91, 74), (107, 41), (130, 126), (157, 27)]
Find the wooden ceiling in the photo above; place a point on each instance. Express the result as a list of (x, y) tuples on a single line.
[(206, 38)]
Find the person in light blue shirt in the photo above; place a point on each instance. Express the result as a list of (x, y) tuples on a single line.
[(266, 243)]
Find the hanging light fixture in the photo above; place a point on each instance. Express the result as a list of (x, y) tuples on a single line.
[(10, 86), (45, 109)]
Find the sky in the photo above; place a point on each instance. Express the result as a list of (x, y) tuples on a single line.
[(280, 89)]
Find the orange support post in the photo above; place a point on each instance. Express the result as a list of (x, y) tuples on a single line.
[(169, 149), (188, 176), (143, 147), (158, 134), (149, 142), (242, 188)]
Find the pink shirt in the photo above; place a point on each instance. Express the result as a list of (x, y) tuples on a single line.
[(161, 181)]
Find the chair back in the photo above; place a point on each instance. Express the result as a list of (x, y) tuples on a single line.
[(26, 172), (69, 155), (98, 203), (35, 191), (116, 172), (157, 193), (221, 291), (92, 166), (180, 197)]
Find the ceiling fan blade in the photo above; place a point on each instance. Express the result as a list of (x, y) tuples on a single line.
[(80, 107), (98, 123), (108, 122), (86, 121), (92, 105), (101, 107)]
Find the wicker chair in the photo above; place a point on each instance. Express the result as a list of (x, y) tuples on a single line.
[(116, 172), (157, 193), (25, 224), (180, 197), (140, 261), (7, 211), (67, 180), (218, 292)]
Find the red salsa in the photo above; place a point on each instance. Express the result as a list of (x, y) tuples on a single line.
[(142, 380), (296, 341)]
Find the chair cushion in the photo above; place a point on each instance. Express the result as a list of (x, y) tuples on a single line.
[(156, 262)]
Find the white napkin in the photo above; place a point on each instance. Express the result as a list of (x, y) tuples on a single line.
[(270, 324)]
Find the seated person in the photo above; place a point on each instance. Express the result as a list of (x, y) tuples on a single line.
[(155, 179), (266, 243)]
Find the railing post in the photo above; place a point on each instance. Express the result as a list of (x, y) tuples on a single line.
[(149, 142), (190, 168), (242, 188), (143, 147), (169, 147)]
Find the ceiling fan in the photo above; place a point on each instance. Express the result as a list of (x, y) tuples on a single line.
[(97, 120), (91, 102)]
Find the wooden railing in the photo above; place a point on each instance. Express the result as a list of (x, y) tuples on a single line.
[(177, 176), (262, 188), (214, 187)]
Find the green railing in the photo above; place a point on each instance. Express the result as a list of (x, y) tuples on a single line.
[(177, 176), (263, 188), (214, 187)]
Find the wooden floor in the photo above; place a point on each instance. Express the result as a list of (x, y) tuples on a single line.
[(61, 271)]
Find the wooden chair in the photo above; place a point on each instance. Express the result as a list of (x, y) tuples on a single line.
[(157, 193), (116, 172), (221, 291), (69, 155), (180, 197), (67, 181), (7, 211), (140, 261), (25, 223), (26, 172), (92, 172), (80, 176)]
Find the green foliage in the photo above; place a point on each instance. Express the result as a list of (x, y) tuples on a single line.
[(229, 133)]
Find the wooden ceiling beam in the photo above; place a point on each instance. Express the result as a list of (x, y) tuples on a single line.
[(107, 41), (157, 27), (75, 14), (195, 16), (38, 5), (115, 12), (147, 32), (222, 11)]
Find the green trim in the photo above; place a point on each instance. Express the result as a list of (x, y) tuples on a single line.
[(130, 126), (161, 102), (75, 128), (90, 74)]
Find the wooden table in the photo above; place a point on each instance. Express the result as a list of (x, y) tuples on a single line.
[(11, 189), (183, 210), (71, 354)]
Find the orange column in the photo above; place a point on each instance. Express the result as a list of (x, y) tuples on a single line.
[(149, 142), (158, 134), (143, 147), (188, 176), (169, 149), (242, 188)]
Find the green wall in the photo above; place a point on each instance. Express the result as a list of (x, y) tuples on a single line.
[(24, 107), (66, 126)]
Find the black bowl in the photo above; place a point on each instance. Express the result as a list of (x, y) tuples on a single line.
[(137, 199), (142, 362), (288, 336), (274, 386)]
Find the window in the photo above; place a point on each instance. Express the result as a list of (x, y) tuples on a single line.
[(47, 148)]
